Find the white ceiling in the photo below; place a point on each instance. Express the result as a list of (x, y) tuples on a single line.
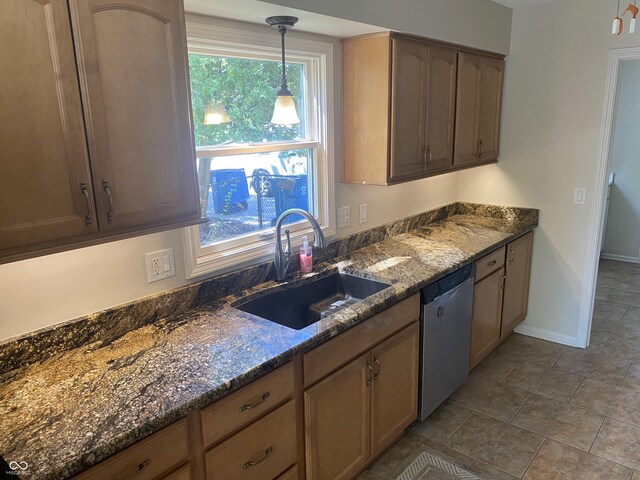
[(254, 11), (524, 3)]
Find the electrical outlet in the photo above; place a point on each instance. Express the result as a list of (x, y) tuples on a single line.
[(344, 217), (160, 265), (363, 213)]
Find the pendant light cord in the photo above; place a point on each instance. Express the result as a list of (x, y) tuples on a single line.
[(284, 89)]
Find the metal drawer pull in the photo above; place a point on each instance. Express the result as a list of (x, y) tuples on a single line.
[(253, 463), (107, 189), (87, 220), (423, 162), (141, 467), (375, 359), (370, 371), (249, 406), (491, 263)]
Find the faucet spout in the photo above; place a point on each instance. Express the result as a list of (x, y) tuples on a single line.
[(283, 255)]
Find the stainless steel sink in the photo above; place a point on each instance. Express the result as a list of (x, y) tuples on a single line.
[(302, 305)]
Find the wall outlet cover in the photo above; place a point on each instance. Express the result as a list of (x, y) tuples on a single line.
[(580, 196), (344, 217), (160, 265)]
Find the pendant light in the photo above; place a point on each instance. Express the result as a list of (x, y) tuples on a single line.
[(633, 10), (617, 27), (215, 114), (284, 112)]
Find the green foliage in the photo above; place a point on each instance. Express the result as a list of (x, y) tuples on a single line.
[(247, 89)]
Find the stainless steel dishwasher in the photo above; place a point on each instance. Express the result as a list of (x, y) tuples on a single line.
[(446, 337)]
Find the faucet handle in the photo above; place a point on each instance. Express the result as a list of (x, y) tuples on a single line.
[(287, 247)]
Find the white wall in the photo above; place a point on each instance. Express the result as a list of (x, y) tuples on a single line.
[(554, 91), (48, 290), (622, 237)]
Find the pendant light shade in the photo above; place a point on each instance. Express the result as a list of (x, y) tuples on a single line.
[(284, 112), (215, 114)]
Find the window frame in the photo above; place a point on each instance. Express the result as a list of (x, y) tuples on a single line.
[(317, 56)]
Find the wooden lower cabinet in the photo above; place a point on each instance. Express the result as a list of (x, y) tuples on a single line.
[(516, 284), (261, 451), (183, 473), (337, 422), (356, 412), (395, 389), (290, 474), (500, 296), (487, 314)]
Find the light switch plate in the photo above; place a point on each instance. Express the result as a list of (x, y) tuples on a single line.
[(580, 196), (344, 217), (160, 265), (363, 213)]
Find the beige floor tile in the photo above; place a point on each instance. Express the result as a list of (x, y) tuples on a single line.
[(495, 367), (463, 459), (636, 475), (442, 423), (568, 424), (394, 460), (556, 461), (368, 475), (620, 403), (490, 397), (596, 365), (519, 347), (496, 443), (623, 347), (616, 295), (493, 472), (618, 442), (596, 342), (632, 380), (543, 380)]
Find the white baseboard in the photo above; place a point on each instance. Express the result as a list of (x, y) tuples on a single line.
[(619, 258), (546, 335)]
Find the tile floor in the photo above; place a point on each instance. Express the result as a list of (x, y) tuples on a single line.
[(539, 410)]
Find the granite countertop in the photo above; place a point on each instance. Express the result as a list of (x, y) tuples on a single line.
[(77, 407)]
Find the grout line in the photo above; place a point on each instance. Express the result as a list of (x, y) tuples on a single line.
[(625, 375), (574, 393), (594, 438), (520, 408), (534, 457), (459, 427), (614, 462)]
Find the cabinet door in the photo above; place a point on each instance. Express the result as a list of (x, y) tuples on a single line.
[(516, 285), (467, 106), (440, 108), (408, 99), (337, 419), (134, 80), (489, 108), (43, 163), (487, 312), (395, 387)]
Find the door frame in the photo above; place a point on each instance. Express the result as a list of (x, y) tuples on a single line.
[(596, 224)]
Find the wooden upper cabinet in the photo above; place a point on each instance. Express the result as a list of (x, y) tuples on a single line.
[(407, 99), (134, 80), (478, 107), (516, 285), (45, 181)]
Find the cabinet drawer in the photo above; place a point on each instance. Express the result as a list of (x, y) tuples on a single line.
[(339, 351), (260, 451), (489, 263), (291, 474), (152, 457), (183, 473), (247, 404)]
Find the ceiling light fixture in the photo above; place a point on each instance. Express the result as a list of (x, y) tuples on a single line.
[(618, 24), (284, 112)]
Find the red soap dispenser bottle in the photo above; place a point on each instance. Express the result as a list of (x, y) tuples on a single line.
[(306, 256)]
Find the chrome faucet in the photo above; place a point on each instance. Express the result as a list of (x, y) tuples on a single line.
[(283, 255)]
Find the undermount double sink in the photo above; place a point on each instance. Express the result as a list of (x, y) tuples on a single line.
[(300, 305)]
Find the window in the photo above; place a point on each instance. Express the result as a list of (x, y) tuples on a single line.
[(249, 170)]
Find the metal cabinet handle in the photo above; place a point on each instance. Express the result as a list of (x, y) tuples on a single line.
[(491, 263), (430, 156), (423, 162), (87, 220), (479, 148), (370, 371), (249, 406), (512, 255), (107, 189), (253, 463), (141, 467), (375, 359)]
